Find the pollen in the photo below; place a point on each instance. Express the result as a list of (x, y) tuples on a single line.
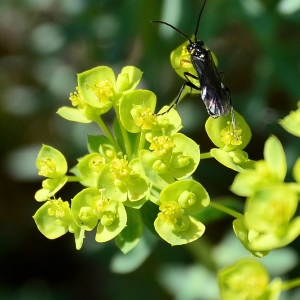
[(184, 51), (100, 205), (103, 90), (96, 163), (77, 99), (231, 136), (277, 212), (161, 145), (120, 169), (170, 212), (143, 117), (47, 167), (60, 210)]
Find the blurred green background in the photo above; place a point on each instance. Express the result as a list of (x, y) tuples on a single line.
[(44, 43)]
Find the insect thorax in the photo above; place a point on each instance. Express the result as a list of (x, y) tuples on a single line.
[(196, 48)]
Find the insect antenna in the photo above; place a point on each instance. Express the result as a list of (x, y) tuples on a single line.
[(198, 21), (162, 22)]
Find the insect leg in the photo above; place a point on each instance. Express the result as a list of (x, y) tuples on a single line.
[(231, 110), (187, 83)]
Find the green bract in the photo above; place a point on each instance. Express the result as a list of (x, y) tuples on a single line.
[(268, 171), (97, 91), (90, 209), (54, 219), (271, 204), (296, 170), (220, 131), (291, 123), (190, 195), (52, 164), (174, 156), (173, 223), (136, 110), (247, 279), (89, 168), (121, 180)]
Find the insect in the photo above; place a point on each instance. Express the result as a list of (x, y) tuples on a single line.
[(215, 95)]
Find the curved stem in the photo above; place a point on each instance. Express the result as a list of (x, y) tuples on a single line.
[(290, 284), (226, 210), (205, 155), (201, 251), (73, 178), (107, 132), (125, 136), (139, 145)]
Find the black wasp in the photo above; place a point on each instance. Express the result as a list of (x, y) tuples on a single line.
[(216, 97)]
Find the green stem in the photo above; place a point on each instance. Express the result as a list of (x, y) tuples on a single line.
[(205, 155), (139, 145), (226, 210), (107, 132), (155, 187), (73, 178), (125, 136), (201, 251), (290, 284)]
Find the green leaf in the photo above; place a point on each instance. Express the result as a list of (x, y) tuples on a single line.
[(72, 114), (131, 234), (79, 236), (275, 157), (132, 137), (123, 264), (101, 144)]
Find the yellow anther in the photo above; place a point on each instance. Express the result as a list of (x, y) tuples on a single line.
[(103, 90)]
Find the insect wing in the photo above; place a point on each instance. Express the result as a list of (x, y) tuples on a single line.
[(215, 96)]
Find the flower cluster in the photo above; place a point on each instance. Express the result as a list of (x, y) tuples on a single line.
[(140, 173), (144, 159), (271, 203), (247, 279)]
